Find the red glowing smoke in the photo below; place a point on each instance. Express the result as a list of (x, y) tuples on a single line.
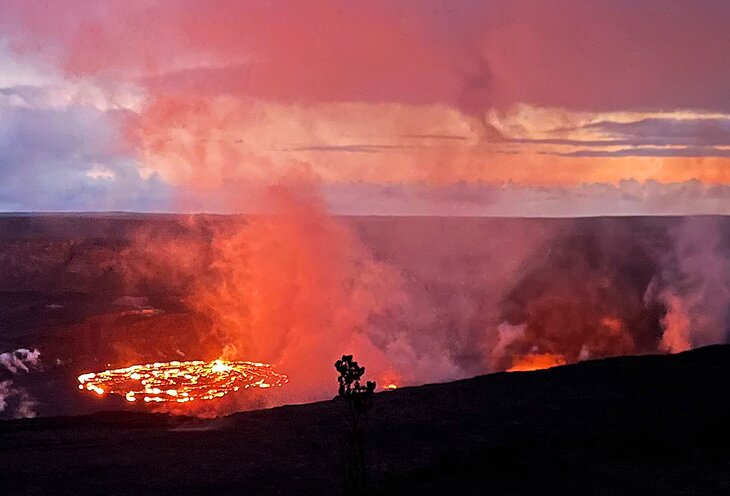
[(296, 287)]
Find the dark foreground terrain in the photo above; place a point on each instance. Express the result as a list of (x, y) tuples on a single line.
[(631, 425)]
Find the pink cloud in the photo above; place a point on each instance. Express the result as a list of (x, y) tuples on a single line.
[(586, 54)]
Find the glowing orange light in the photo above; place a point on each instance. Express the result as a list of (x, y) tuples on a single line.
[(181, 382), (536, 361), (391, 386)]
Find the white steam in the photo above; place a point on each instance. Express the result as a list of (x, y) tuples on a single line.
[(697, 295), (15, 402)]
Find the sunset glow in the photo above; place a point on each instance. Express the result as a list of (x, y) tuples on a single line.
[(490, 115), (541, 361)]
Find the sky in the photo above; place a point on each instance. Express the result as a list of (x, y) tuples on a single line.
[(466, 107)]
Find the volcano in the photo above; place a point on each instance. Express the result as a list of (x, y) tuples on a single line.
[(104, 292)]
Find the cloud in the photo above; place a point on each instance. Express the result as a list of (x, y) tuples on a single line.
[(595, 55), (485, 199), (355, 148), (669, 131), (665, 135), (229, 94), (648, 137), (51, 158), (586, 55), (652, 151), (652, 131), (449, 137)]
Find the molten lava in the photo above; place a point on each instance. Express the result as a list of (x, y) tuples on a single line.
[(536, 361), (181, 382)]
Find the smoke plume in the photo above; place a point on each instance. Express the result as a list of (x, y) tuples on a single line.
[(697, 287)]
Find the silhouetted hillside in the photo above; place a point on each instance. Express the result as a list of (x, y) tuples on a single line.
[(629, 425)]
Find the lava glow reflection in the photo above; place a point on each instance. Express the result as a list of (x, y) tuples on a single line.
[(181, 382), (536, 361)]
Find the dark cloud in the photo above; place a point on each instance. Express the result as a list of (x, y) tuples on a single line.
[(651, 152), (650, 137), (476, 95), (355, 148), (571, 142), (450, 137), (697, 132)]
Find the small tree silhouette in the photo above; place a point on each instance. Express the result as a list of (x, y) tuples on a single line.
[(358, 399)]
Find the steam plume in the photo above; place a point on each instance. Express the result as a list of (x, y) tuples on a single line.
[(697, 292), (15, 402)]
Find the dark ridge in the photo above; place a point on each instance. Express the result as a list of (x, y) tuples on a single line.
[(654, 424)]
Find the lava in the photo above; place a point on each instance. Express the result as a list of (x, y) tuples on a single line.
[(181, 382), (536, 361)]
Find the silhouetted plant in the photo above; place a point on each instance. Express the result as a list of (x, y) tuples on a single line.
[(358, 399)]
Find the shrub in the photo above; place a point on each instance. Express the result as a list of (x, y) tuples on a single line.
[(358, 399)]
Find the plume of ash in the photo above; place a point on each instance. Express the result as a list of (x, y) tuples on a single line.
[(601, 290), (15, 402), (581, 298), (697, 289), (676, 324), (294, 287), (297, 288), (477, 97)]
